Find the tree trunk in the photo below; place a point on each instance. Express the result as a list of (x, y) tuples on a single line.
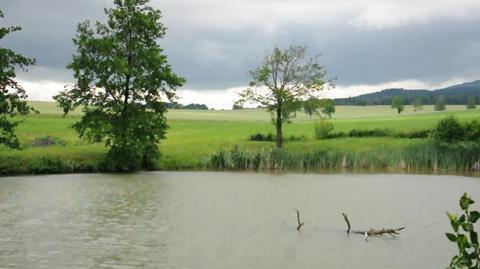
[(278, 125)]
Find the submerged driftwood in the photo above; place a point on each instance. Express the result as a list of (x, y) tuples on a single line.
[(372, 232), (300, 224)]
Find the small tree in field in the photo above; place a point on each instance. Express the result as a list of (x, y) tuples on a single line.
[(311, 106), (282, 81), (471, 102), (417, 104), (12, 95), (122, 76), (440, 104), (328, 107), (397, 103), (237, 107)]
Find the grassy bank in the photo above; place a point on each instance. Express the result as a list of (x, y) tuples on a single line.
[(195, 136)]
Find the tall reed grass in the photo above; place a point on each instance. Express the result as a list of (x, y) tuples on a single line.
[(422, 157)]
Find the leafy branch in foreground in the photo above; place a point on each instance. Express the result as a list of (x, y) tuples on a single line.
[(465, 236), (12, 95)]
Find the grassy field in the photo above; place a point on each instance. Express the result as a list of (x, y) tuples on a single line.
[(195, 135)]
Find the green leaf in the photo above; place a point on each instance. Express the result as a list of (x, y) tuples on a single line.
[(462, 242), (452, 217), (453, 221), (474, 216), (467, 227), (451, 237), (474, 237), (465, 201)]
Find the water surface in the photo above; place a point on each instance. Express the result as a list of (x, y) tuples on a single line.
[(226, 220)]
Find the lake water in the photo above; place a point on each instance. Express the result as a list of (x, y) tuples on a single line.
[(226, 220)]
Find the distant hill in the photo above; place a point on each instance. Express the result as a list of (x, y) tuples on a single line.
[(454, 95)]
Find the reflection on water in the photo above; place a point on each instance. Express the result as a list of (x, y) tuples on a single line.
[(225, 220)]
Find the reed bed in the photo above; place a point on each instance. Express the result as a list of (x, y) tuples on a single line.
[(421, 157)]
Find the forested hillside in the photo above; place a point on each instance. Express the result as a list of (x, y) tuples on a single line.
[(454, 95)]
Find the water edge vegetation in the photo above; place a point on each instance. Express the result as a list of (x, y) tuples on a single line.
[(195, 137)]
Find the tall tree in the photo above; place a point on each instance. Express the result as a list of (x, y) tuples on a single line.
[(12, 95), (282, 81), (122, 78), (471, 102), (397, 103)]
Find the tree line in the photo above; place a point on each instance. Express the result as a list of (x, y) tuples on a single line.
[(455, 95), (192, 106), (439, 105)]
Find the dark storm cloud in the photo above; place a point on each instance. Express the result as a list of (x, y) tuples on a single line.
[(215, 55), (48, 27)]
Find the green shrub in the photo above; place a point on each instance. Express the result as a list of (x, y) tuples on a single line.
[(271, 137), (472, 130), (465, 236), (296, 138), (45, 141), (369, 133), (414, 134), (262, 137), (449, 130), (324, 130), (56, 165)]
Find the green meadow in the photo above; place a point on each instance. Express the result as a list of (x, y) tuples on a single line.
[(194, 136)]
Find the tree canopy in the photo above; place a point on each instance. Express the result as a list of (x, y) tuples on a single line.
[(12, 95), (122, 80), (282, 81)]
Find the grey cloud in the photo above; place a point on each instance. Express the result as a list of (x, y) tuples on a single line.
[(220, 57)]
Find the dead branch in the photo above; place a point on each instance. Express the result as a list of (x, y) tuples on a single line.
[(372, 232), (300, 224), (348, 222)]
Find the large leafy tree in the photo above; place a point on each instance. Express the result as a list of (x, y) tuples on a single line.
[(283, 80), (122, 78), (12, 95)]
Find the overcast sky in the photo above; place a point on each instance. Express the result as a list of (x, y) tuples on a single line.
[(368, 45)]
